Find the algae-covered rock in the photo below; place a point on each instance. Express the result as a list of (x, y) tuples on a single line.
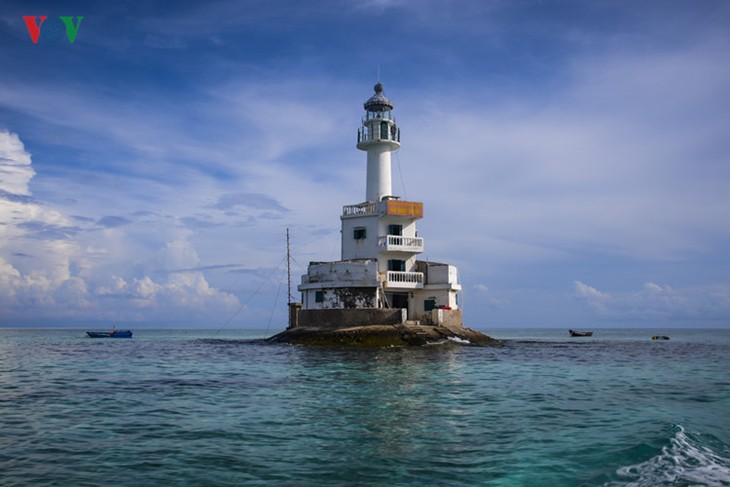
[(382, 336)]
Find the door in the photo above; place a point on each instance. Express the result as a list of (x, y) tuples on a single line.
[(398, 300)]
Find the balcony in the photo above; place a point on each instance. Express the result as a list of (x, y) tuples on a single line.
[(364, 135), (397, 243), (390, 207), (368, 208), (408, 280)]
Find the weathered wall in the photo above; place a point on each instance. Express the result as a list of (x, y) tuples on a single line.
[(443, 317), (452, 317), (342, 284), (443, 297), (438, 273), (340, 273), (366, 248), (341, 297), (446, 317), (294, 309), (350, 297), (344, 318)]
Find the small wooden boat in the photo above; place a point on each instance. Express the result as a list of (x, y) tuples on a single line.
[(660, 337), (574, 333), (110, 334)]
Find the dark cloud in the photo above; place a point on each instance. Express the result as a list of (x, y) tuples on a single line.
[(145, 213), (259, 271), (237, 268), (83, 219), (256, 201), (16, 198), (195, 222), (113, 221), (49, 231)]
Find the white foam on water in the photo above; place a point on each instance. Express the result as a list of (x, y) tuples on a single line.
[(682, 462), (459, 340)]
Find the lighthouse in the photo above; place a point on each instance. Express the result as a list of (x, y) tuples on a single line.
[(379, 279), (379, 136)]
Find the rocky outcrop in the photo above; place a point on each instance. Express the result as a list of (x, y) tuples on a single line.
[(383, 336)]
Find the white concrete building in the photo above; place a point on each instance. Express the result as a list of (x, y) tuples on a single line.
[(380, 243)]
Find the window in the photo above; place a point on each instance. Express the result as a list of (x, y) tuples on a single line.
[(429, 304), (319, 296), (395, 230), (383, 130), (396, 265), (359, 233)]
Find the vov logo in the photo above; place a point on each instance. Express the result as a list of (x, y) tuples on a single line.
[(35, 23)]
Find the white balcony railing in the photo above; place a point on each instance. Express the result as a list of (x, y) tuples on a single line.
[(368, 208), (410, 280), (397, 243)]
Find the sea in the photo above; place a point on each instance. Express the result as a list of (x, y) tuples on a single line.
[(222, 408)]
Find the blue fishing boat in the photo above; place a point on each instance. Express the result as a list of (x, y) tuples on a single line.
[(110, 334)]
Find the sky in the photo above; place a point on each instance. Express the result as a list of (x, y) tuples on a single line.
[(573, 157)]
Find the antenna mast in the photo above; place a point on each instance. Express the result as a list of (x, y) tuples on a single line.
[(288, 268)]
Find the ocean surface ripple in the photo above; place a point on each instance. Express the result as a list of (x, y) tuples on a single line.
[(172, 407)]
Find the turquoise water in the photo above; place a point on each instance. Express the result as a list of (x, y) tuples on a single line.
[(200, 408)]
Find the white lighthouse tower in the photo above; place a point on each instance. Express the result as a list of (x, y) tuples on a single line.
[(379, 136), (379, 279)]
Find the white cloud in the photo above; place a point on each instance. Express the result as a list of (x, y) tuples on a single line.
[(33, 243), (487, 297), (178, 254), (592, 297), (55, 265), (627, 158), (15, 165), (652, 288), (115, 286), (658, 303), (621, 153), (583, 290)]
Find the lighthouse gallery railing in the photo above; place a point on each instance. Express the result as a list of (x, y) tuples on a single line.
[(361, 209)]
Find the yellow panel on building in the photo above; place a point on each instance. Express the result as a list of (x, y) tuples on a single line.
[(411, 209)]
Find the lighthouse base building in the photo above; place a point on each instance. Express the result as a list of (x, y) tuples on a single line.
[(379, 292), (379, 272)]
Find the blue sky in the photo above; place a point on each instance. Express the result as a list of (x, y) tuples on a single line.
[(573, 157)]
